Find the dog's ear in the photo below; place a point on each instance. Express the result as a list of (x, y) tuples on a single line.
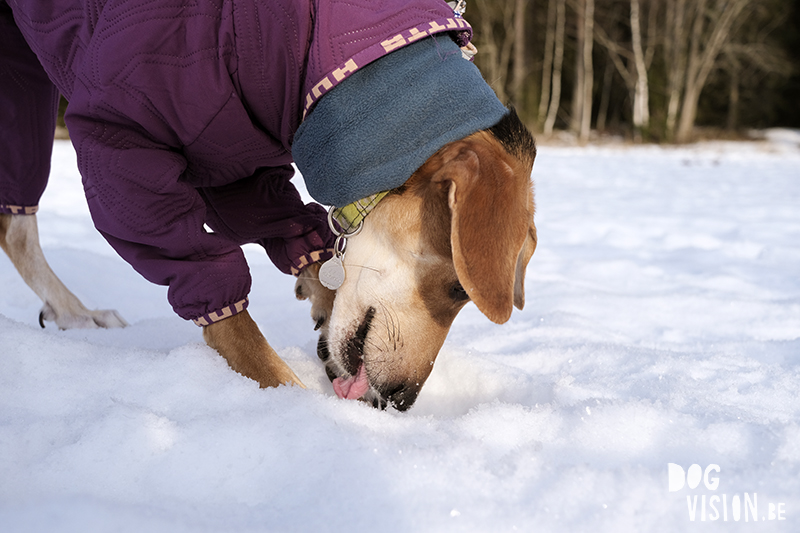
[(491, 231), (522, 263)]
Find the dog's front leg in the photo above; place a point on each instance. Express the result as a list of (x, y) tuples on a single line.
[(19, 238), (241, 343)]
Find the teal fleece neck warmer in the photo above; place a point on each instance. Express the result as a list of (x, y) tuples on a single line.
[(377, 127)]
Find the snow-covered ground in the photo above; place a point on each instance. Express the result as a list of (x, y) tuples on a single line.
[(662, 326)]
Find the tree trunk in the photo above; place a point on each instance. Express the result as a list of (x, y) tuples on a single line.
[(547, 67), (675, 52), (496, 47), (558, 62), (605, 96), (641, 106), (701, 62), (507, 44), (733, 99), (578, 89), (519, 69), (588, 71), (653, 37), (691, 94)]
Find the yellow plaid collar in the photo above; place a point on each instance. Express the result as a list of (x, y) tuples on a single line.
[(352, 215)]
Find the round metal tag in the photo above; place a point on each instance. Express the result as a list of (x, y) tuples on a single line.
[(331, 273)]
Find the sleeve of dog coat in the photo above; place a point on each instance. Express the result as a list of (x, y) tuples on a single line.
[(267, 209), (154, 219), (28, 104)]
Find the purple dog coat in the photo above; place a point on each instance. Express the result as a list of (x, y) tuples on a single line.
[(183, 114)]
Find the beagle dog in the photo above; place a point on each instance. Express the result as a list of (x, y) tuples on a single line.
[(367, 98)]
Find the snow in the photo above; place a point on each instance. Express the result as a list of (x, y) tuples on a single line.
[(662, 326)]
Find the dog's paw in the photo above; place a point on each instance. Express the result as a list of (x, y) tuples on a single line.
[(241, 343), (82, 318), (308, 287), (108, 318)]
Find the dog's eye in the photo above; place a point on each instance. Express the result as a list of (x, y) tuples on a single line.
[(457, 293)]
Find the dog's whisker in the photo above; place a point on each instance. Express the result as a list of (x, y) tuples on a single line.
[(391, 327), (364, 266), (394, 331)]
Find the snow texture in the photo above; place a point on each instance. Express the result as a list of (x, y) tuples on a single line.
[(662, 326)]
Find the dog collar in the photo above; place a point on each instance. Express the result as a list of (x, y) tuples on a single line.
[(352, 215), (345, 222)]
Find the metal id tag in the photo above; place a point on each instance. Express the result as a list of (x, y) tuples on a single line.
[(331, 273)]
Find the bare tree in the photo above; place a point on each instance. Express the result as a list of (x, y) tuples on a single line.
[(520, 70), (496, 37), (633, 63), (749, 55), (675, 52), (665, 51), (605, 96), (641, 94), (734, 68), (547, 67), (558, 61), (577, 88), (710, 31), (588, 71)]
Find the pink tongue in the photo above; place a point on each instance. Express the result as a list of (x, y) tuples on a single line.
[(352, 388)]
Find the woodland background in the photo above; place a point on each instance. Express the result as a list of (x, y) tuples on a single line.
[(647, 70)]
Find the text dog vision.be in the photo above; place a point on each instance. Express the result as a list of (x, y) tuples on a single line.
[(715, 507)]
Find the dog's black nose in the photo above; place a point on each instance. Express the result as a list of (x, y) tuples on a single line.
[(402, 396)]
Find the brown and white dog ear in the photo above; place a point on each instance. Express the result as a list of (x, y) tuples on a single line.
[(490, 223)]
